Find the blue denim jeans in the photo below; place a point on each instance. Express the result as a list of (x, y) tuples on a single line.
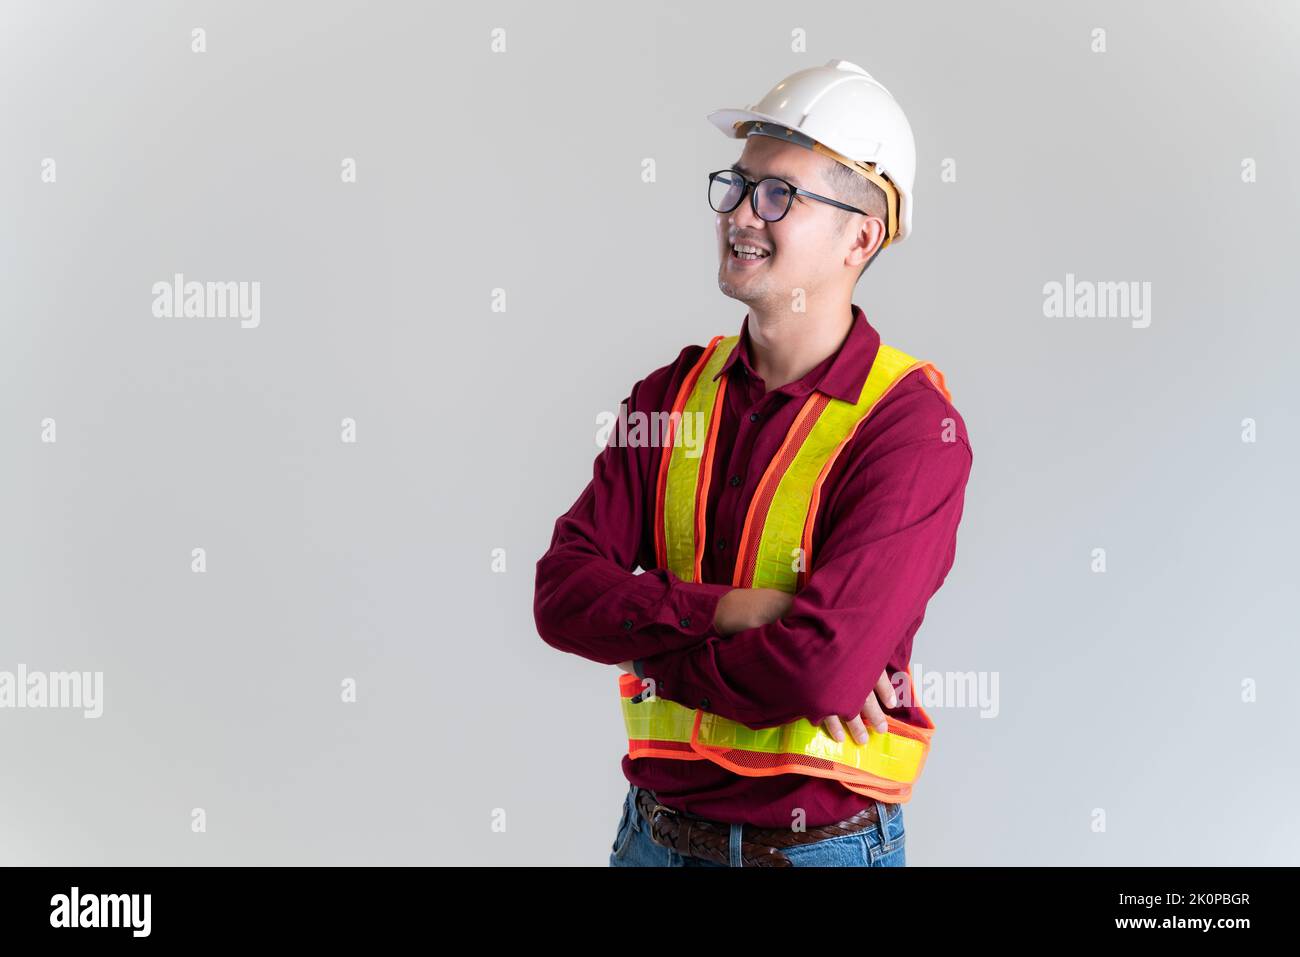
[(880, 845)]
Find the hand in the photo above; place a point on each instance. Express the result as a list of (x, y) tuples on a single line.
[(871, 710), (743, 608)]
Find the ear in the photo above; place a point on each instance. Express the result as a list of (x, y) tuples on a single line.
[(869, 237)]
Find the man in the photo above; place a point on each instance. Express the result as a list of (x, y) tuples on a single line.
[(804, 437)]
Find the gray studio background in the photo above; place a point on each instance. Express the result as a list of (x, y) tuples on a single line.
[(476, 429)]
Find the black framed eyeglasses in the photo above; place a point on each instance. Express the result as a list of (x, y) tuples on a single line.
[(770, 199)]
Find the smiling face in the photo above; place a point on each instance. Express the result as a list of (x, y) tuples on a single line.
[(810, 248)]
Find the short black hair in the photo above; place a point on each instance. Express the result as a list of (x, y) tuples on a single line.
[(856, 190)]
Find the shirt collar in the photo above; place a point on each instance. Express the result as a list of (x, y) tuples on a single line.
[(841, 375)]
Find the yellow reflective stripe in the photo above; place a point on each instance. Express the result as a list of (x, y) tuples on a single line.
[(657, 719), (892, 756), (782, 535), (684, 465), (777, 558), (895, 757)]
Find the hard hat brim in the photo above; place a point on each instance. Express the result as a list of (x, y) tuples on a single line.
[(728, 121)]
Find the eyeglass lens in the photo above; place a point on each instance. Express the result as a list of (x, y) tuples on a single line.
[(727, 188)]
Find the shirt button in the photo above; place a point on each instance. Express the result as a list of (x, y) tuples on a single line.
[(685, 623), (722, 544), (754, 416), (735, 481), (704, 703), (627, 624)]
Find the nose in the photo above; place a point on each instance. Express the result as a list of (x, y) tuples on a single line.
[(744, 215)]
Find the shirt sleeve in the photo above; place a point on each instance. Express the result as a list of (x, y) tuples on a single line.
[(588, 599), (889, 548)]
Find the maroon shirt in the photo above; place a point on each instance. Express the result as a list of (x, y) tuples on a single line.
[(883, 542)]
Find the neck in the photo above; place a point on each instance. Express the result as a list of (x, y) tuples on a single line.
[(787, 345)]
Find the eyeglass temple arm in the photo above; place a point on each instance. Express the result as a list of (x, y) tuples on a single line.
[(827, 199)]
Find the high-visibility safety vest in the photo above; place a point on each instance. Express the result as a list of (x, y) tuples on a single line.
[(775, 551)]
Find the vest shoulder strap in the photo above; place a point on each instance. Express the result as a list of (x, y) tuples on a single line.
[(776, 541), (684, 478)]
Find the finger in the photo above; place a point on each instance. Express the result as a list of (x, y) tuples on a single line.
[(885, 691), (834, 728), (875, 716), (858, 729)]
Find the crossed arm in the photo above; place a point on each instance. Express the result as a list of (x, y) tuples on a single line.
[(890, 545), (749, 656), (743, 608)]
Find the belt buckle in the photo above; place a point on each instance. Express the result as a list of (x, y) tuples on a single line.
[(654, 811), (681, 840), (657, 832)]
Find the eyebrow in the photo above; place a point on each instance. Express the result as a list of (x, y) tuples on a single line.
[(790, 179)]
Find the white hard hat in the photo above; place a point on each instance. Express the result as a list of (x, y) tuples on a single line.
[(839, 110)]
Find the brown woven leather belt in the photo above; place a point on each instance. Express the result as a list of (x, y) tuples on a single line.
[(760, 846)]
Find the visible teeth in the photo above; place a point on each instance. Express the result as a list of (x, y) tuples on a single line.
[(752, 252)]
